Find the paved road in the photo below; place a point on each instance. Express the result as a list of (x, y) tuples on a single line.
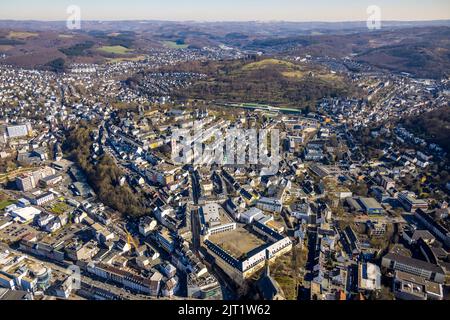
[(195, 228), (196, 191), (312, 251), (13, 174)]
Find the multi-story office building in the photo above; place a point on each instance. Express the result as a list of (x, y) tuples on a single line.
[(413, 266)]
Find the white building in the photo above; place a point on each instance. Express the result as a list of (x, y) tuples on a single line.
[(301, 211), (43, 198), (369, 277), (19, 131), (270, 204), (147, 225), (214, 220), (255, 214), (24, 215)]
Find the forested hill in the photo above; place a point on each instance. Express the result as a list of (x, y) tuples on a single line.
[(433, 126)]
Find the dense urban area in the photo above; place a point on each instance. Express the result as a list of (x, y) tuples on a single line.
[(93, 205)]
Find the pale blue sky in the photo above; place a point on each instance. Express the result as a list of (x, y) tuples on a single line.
[(230, 10)]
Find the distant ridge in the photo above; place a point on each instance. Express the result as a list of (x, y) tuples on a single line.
[(290, 26)]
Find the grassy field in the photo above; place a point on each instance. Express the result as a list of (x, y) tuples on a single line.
[(174, 45), (286, 68), (269, 63), (286, 271), (5, 47), (115, 49), (21, 35), (293, 74), (65, 36), (59, 208), (5, 203)]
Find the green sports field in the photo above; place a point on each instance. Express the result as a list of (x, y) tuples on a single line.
[(115, 49)]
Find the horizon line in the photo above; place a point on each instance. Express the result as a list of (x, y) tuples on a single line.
[(229, 21)]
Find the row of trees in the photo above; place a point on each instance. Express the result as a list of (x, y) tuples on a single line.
[(77, 49), (433, 126), (104, 176)]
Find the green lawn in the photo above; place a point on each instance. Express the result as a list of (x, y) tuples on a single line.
[(115, 49), (59, 208), (65, 36), (5, 203), (174, 45)]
